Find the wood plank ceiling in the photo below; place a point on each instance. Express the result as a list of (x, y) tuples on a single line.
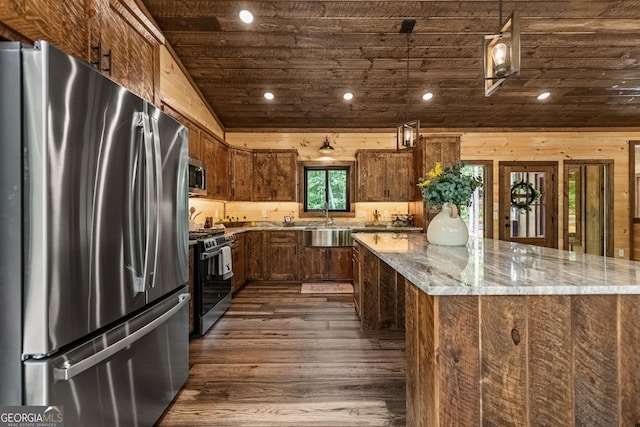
[(308, 53)]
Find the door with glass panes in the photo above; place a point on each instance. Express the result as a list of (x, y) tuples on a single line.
[(527, 203)]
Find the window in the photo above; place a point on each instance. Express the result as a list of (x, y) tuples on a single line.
[(326, 186)]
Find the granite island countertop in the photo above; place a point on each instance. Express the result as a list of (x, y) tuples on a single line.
[(496, 267)]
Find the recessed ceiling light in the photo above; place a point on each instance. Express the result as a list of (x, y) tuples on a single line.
[(246, 16), (427, 96), (269, 96), (543, 96), (348, 96)]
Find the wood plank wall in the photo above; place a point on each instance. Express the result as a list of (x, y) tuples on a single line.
[(140, 57), (345, 144), (177, 90), (560, 146), (496, 146), (522, 360)]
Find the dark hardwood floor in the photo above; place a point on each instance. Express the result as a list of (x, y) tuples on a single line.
[(282, 358)]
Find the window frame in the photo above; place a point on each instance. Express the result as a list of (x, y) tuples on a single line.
[(324, 165)]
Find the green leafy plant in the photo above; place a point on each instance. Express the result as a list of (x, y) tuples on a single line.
[(448, 184)]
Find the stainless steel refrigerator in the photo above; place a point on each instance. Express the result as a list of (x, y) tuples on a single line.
[(94, 248)]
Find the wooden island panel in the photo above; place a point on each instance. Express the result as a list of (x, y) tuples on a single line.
[(536, 360), (550, 392), (629, 358), (381, 292)]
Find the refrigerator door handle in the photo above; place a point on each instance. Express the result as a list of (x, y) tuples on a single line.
[(135, 222), (71, 370), (151, 202), (156, 182)]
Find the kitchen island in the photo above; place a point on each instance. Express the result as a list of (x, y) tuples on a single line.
[(500, 333)]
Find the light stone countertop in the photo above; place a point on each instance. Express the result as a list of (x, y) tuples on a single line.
[(356, 227), (495, 267), (304, 225)]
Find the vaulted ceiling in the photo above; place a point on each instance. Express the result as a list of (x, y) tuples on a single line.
[(586, 53)]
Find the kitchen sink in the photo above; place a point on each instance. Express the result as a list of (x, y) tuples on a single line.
[(327, 237)]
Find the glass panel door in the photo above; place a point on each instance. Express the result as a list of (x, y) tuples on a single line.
[(479, 214), (528, 197)]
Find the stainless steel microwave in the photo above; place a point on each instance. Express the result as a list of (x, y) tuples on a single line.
[(197, 178)]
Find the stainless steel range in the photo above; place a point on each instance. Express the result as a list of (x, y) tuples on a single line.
[(212, 281)]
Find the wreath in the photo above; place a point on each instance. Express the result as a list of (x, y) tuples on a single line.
[(523, 194)]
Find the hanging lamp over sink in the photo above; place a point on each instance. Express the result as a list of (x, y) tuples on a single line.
[(326, 147)]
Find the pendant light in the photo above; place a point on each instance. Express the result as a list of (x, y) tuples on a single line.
[(326, 147), (408, 132), (501, 53)]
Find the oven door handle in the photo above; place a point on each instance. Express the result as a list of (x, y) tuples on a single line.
[(211, 254)]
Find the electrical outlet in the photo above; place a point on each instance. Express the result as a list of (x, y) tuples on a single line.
[(264, 213), (621, 253), (386, 214)]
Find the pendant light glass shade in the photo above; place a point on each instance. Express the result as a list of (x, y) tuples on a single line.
[(326, 147), (408, 134), (501, 55)]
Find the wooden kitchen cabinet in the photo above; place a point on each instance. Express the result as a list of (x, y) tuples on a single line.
[(313, 263), (318, 263), (238, 257), (241, 163), (385, 176), (215, 156), (340, 266), (382, 294), (194, 131), (357, 285), (255, 249), (274, 175), (113, 25), (282, 255)]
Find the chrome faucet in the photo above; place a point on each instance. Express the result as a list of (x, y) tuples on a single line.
[(327, 218)]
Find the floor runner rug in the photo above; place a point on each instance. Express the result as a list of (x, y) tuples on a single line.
[(326, 288)]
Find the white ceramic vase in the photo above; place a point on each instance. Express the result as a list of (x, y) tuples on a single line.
[(447, 228)]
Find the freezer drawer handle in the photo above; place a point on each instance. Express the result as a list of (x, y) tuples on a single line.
[(70, 371)]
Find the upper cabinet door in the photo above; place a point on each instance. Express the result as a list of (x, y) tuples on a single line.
[(286, 176), (222, 171), (215, 156), (385, 176), (400, 177), (241, 162), (263, 183), (274, 175), (371, 176)]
